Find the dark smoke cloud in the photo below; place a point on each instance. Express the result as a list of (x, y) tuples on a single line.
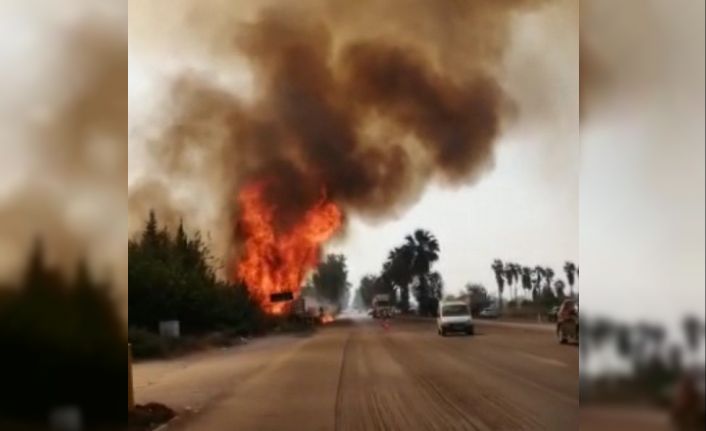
[(594, 78), (365, 112), (153, 196)]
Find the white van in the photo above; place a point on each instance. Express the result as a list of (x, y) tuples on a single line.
[(454, 316)]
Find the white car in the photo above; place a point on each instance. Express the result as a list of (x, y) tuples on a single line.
[(454, 316), (490, 313)]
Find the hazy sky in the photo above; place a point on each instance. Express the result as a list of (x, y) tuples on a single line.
[(62, 135), (519, 212), (642, 162)]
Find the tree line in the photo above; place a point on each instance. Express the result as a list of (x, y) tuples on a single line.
[(658, 363), (536, 282), (407, 270), (171, 277), (643, 342), (63, 343)]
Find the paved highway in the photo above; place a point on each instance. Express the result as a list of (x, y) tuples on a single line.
[(357, 375)]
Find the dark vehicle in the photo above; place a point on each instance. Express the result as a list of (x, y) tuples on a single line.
[(567, 324)]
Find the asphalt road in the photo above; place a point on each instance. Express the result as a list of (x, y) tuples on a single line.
[(357, 375)]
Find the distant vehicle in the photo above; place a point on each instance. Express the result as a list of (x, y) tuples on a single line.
[(299, 306), (567, 324), (382, 306), (491, 312), (304, 309), (454, 316)]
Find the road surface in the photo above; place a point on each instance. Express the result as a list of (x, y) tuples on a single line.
[(357, 375)]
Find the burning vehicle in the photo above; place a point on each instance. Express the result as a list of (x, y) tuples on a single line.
[(311, 310)]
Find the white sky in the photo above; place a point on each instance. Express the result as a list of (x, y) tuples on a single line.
[(642, 164)]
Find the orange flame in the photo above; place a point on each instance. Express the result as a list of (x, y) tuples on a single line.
[(274, 262)]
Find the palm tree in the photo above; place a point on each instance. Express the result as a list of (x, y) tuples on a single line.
[(539, 274), (559, 289), (498, 269), (526, 279), (601, 331), (693, 329), (436, 289), (623, 341), (397, 270), (423, 247), (548, 277), (571, 272), (516, 271), (510, 280)]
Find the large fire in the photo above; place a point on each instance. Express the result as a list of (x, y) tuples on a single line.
[(275, 262)]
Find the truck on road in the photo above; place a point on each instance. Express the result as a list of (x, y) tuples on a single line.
[(382, 306)]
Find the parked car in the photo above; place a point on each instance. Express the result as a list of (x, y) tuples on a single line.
[(490, 313)]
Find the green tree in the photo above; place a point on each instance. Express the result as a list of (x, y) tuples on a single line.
[(694, 330), (548, 277), (435, 283), (397, 272), (498, 269), (526, 277), (516, 275), (63, 339), (423, 246), (559, 289), (366, 290), (510, 280), (330, 280), (571, 272), (539, 274), (170, 277), (623, 340)]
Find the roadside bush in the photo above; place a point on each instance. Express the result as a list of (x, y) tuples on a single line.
[(146, 344), (171, 278), (63, 343)]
